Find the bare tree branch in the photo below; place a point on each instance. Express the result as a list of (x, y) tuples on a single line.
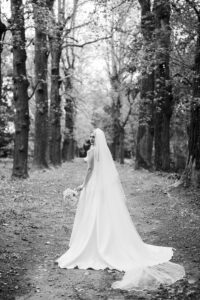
[(125, 1), (86, 43), (183, 77), (130, 108), (34, 89)]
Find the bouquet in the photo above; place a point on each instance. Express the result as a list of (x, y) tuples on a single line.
[(70, 197)]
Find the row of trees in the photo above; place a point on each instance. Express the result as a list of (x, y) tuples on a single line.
[(152, 56), (51, 26), (158, 99), (156, 87), (167, 80)]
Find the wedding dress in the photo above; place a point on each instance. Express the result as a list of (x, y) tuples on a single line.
[(104, 236)]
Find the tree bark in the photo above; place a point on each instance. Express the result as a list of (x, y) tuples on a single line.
[(121, 145), (117, 143), (41, 10), (0, 75), (116, 106), (68, 149), (55, 110), (2, 35), (145, 132), (163, 99), (191, 175), (20, 92)]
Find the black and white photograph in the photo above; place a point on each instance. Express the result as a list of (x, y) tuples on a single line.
[(99, 149)]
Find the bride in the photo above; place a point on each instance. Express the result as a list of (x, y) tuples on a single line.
[(103, 234)]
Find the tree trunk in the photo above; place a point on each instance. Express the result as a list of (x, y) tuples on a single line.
[(145, 127), (115, 145), (192, 171), (68, 143), (0, 76), (116, 107), (68, 147), (41, 93), (163, 99), (2, 35), (20, 92), (121, 145), (55, 110), (158, 138), (145, 132)]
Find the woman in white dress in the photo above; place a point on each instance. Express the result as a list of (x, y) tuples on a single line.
[(103, 234)]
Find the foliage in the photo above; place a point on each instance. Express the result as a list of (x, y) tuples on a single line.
[(6, 120), (96, 32)]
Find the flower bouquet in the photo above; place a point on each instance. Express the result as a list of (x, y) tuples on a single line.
[(70, 197)]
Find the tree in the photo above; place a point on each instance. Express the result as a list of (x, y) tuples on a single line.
[(2, 35), (192, 171), (156, 89), (20, 93), (163, 99), (145, 132), (41, 10), (3, 106), (55, 41), (68, 148), (60, 48), (116, 106)]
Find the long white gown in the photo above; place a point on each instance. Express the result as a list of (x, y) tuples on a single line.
[(104, 236)]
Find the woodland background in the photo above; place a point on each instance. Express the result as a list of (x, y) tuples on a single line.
[(129, 67)]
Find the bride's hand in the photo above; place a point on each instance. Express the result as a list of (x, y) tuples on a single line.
[(79, 188)]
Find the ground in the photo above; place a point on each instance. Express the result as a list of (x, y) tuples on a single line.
[(35, 230)]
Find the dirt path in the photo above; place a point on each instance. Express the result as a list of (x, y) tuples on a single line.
[(34, 233)]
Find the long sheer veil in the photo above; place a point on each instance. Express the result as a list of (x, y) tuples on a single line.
[(104, 164), (107, 177)]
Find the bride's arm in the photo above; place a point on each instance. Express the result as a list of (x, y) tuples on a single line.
[(89, 169)]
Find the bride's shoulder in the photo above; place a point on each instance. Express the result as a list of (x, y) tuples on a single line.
[(89, 154)]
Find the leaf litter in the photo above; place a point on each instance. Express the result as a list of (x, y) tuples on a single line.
[(35, 231)]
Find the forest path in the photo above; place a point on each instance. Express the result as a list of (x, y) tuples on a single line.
[(35, 232)]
